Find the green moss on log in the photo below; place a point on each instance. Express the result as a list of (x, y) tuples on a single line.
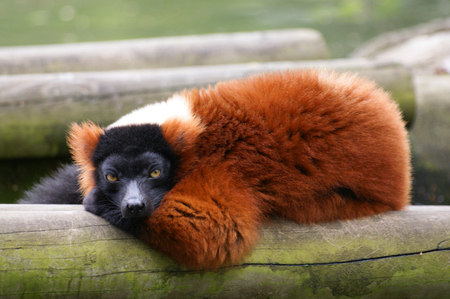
[(64, 251), (34, 119)]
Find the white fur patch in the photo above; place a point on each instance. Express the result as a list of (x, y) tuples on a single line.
[(175, 107)]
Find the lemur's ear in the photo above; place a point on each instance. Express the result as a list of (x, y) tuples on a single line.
[(82, 140)]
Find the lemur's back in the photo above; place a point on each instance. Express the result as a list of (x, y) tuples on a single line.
[(334, 139)]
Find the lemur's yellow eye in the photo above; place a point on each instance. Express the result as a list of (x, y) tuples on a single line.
[(111, 177), (155, 173)]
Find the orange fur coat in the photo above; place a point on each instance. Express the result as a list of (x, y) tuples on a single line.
[(308, 146)]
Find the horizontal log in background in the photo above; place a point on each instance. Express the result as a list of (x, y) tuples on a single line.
[(36, 109), (275, 45), (59, 250)]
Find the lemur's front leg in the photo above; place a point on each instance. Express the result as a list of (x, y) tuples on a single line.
[(208, 220)]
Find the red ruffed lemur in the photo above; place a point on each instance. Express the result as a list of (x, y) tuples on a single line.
[(197, 175)]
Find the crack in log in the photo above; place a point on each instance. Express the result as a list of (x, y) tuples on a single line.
[(245, 265), (54, 229), (443, 242), (344, 262), (24, 246)]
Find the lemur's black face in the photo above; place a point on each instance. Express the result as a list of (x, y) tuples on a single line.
[(135, 184), (134, 170)]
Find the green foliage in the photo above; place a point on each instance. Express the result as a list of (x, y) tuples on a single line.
[(25, 22)]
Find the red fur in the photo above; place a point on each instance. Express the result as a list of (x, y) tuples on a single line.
[(82, 141), (207, 220), (304, 145), (182, 137)]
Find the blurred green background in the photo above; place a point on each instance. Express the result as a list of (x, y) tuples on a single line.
[(345, 24)]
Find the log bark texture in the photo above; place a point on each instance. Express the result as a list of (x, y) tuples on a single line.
[(430, 139), (55, 251), (431, 131), (35, 110), (276, 45)]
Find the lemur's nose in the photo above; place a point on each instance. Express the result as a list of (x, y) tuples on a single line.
[(133, 203), (135, 206)]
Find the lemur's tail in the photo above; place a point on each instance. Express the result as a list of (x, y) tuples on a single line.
[(59, 188)]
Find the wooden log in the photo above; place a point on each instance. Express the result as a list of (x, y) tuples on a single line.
[(36, 109), (430, 139), (431, 133), (395, 38), (276, 45), (63, 251)]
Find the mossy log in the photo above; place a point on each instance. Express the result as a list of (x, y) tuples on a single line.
[(276, 45), (431, 132), (55, 251), (430, 139), (36, 109)]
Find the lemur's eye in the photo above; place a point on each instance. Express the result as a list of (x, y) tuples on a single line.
[(155, 173), (112, 178)]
